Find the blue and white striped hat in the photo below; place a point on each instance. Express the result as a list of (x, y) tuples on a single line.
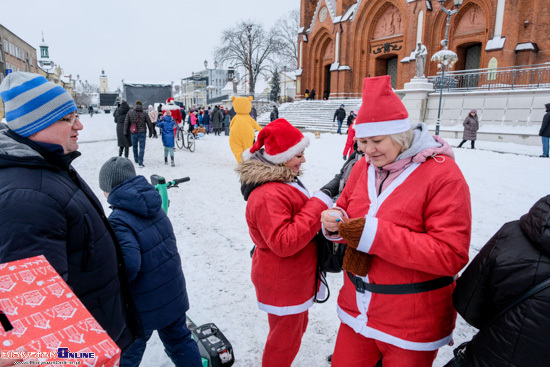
[(32, 103)]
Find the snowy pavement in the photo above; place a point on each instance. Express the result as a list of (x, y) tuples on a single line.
[(208, 216)]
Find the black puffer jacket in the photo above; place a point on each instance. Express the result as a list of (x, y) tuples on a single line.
[(513, 261), (123, 137), (47, 209)]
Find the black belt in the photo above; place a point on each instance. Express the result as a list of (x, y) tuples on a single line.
[(409, 288)]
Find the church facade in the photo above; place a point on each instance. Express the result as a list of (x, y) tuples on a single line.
[(341, 42)]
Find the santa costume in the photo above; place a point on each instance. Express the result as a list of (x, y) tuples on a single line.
[(172, 107), (409, 238), (282, 219)]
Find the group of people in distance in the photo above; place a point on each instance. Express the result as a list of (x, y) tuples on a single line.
[(400, 204)]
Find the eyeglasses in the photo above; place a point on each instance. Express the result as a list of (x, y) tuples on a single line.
[(70, 120)]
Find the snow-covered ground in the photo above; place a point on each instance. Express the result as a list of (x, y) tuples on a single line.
[(208, 214)]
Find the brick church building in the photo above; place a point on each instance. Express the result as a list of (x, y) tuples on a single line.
[(343, 41)]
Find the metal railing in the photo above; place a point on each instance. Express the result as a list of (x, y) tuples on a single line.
[(517, 77)]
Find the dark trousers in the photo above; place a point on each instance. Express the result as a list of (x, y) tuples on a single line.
[(125, 149), (178, 345), (138, 139), (464, 141)]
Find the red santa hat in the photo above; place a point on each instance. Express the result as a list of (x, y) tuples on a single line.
[(382, 112), (170, 100), (281, 142)]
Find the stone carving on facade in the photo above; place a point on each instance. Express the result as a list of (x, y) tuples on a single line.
[(473, 21), (389, 23)]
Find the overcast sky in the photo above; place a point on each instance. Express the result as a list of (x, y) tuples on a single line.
[(138, 41)]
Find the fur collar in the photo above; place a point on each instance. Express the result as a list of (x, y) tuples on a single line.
[(254, 173)]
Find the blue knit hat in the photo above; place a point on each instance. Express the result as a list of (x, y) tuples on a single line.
[(32, 103)]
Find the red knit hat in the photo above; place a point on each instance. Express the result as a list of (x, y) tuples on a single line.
[(281, 141), (170, 100), (382, 112)]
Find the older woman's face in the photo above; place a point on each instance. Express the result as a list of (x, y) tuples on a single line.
[(381, 150), (295, 162)]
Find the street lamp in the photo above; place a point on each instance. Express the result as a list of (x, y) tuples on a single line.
[(445, 58), (206, 64)]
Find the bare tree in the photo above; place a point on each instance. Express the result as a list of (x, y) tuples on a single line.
[(249, 46), (287, 29)]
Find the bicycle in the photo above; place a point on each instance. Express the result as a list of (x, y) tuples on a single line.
[(162, 187), (185, 140)]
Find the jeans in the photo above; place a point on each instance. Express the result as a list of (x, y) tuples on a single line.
[(340, 122), (545, 146), (138, 139), (178, 345)]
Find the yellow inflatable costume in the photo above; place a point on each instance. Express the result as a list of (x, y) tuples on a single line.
[(241, 129)]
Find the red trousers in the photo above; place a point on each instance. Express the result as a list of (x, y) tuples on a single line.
[(284, 339), (354, 349)]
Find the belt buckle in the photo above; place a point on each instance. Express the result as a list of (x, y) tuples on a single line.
[(359, 284)]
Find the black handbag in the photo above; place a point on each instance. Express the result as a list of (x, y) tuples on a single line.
[(460, 351), (330, 255)]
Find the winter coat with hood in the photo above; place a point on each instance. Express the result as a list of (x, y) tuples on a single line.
[(545, 127), (471, 126), (282, 220), (217, 118), (417, 228), (513, 261), (139, 117), (150, 252), (47, 209), (123, 136), (167, 126)]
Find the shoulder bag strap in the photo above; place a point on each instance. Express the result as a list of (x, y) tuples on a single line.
[(537, 288)]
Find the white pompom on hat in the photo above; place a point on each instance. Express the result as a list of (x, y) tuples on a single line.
[(281, 142), (382, 112), (170, 100)]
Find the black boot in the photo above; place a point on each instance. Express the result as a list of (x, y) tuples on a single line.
[(165, 160), (473, 144), (461, 143), (173, 164), (120, 151), (126, 152)]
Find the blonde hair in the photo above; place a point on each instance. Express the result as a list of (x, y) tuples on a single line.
[(404, 139)]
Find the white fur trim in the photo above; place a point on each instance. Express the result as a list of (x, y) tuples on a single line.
[(368, 129), (286, 310), (359, 325), (170, 107), (289, 153), (246, 155)]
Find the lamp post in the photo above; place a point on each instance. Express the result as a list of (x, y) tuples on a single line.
[(445, 58)]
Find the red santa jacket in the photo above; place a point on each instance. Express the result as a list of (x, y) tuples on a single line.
[(174, 109), (417, 229), (282, 221)]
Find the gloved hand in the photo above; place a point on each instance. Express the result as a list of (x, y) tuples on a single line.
[(351, 230), (345, 158), (355, 261)]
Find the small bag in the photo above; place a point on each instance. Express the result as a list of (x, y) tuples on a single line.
[(330, 255), (459, 352), (133, 126)]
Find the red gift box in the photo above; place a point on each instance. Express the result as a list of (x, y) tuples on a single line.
[(48, 319)]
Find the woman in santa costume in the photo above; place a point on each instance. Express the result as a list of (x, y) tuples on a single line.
[(282, 219), (406, 218)]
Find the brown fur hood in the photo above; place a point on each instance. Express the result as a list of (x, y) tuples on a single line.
[(254, 173)]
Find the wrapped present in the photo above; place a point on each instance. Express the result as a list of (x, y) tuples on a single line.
[(43, 317)]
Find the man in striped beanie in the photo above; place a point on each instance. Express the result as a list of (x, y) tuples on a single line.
[(47, 209)]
